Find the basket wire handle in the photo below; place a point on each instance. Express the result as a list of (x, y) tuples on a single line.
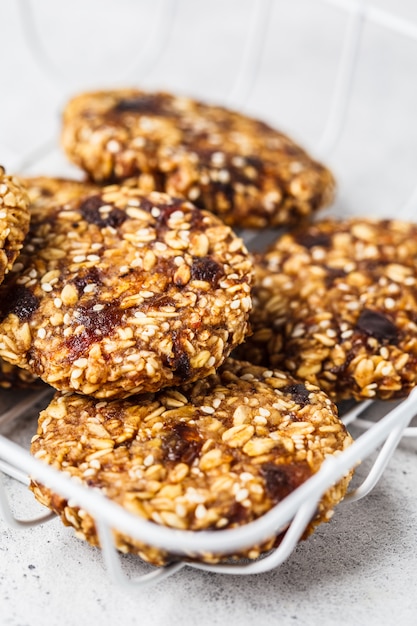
[(353, 415), (112, 561), (279, 555), (152, 50), (410, 431), (8, 515), (380, 17), (251, 58), (379, 465), (344, 81)]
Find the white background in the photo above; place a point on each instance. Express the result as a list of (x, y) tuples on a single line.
[(362, 567)]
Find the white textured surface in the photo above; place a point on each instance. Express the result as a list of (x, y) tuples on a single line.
[(362, 567)]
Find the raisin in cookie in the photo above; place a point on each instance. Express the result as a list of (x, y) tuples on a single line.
[(336, 304), (214, 454), (14, 220), (123, 292), (238, 167)]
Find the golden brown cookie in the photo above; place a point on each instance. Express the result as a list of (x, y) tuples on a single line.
[(121, 292), (214, 454), (336, 304), (14, 220), (238, 167)]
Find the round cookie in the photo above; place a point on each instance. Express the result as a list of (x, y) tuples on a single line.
[(238, 167), (14, 220), (120, 292), (336, 304), (214, 454)]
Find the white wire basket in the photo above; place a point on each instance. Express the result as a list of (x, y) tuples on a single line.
[(382, 424)]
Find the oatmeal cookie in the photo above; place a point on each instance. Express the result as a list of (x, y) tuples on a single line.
[(336, 304), (214, 454), (122, 292), (238, 167), (14, 220)]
